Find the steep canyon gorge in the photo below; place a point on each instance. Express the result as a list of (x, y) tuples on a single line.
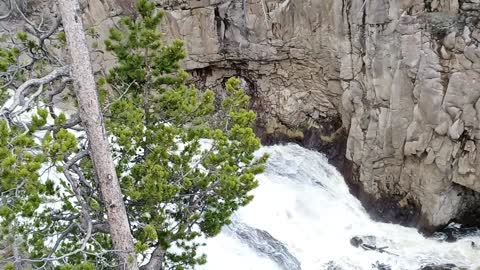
[(389, 90)]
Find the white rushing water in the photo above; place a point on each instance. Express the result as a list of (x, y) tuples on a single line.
[(303, 217)]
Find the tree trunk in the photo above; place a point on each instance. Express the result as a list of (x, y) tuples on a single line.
[(91, 116), (156, 259)]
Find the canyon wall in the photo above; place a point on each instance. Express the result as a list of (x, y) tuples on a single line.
[(388, 89), (391, 85)]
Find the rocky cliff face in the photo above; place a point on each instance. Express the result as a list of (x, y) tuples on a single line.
[(388, 89), (413, 101), (401, 77)]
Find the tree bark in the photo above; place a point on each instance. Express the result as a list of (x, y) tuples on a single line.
[(92, 119), (156, 259)]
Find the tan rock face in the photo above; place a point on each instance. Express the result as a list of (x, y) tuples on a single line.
[(402, 77)]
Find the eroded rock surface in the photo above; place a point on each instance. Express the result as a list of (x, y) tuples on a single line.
[(402, 76), (388, 89)]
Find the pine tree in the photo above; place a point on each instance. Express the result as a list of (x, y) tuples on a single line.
[(99, 151), (184, 165)]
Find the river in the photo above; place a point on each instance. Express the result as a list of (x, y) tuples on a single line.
[(303, 217)]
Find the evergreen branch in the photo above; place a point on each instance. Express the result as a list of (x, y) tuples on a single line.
[(119, 97), (64, 234)]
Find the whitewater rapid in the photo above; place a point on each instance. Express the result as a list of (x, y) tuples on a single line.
[(303, 217)]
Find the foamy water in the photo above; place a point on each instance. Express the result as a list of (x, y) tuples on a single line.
[(303, 203)]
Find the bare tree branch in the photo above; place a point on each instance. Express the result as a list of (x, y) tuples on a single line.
[(156, 259), (64, 234), (20, 11), (9, 12), (29, 101), (101, 227), (50, 32), (22, 91), (76, 158), (55, 92)]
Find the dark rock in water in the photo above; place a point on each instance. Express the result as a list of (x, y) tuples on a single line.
[(267, 245), (475, 245), (331, 265), (369, 242), (381, 266), (448, 266), (358, 241), (320, 184), (454, 232)]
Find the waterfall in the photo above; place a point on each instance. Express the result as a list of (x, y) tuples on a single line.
[(303, 217)]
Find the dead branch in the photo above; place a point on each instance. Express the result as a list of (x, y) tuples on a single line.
[(9, 12), (55, 92), (23, 90), (50, 32)]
